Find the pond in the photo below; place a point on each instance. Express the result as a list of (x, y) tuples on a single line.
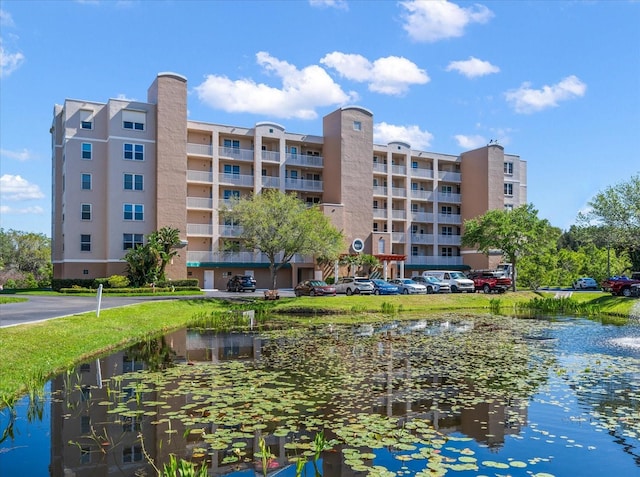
[(461, 395)]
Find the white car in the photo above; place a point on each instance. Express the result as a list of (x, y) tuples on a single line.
[(354, 286), (406, 286), (585, 283)]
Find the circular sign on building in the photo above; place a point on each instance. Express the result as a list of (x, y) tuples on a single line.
[(357, 245)]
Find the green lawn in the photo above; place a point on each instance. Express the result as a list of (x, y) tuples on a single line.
[(31, 353)]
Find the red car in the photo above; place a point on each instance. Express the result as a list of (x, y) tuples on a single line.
[(314, 288)]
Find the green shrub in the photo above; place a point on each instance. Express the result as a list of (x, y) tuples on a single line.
[(118, 281)]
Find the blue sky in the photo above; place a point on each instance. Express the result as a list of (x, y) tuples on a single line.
[(555, 82)]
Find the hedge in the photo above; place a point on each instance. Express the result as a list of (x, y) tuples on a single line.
[(130, 291), (58, 284)]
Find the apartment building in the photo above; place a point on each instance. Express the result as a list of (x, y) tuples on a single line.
[(123, 169)]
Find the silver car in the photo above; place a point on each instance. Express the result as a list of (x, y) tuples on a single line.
[(354, 286), (433, 284), (409, 287)]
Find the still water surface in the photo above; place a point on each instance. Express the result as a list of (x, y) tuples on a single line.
[(489, 396)]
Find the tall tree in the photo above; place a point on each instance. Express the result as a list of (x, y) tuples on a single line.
[(281, 226), (515, 233), (146, 263), (26, 253), (616, 213), (165, 241)]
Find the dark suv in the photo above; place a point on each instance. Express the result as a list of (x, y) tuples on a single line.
[(241, 283)]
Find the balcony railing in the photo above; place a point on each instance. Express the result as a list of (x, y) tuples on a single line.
[(379, 213), (400, 170), (236, 153), (200, 149), (379, 190), (449, 176), (421, 194), (422, 239), (447, 197), (200, 176), (199, 203), (270, 156), (449, 219), (422, 216), (430, 260), (271, 182), (398, 214), (303, 184), (304, 160), (398, 237), (230, 230), (398, 192), (421, 172), (377, 167), (195, 257), (449, 239), (245, 180), (201, 230)]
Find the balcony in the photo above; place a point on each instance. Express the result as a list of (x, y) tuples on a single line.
[(271, 182), (196, 258), (380, 168), (449, 219), (270, 156), (236, 153), (399, 170), (245, 180), (398, 237), (430, 260), (422, 173), (379, 213), (449, 176), (449, 239), (230, 231), (448, 197), (303, 185), (199, 230), (200, 176), (398, 214), (199, 203), (422, 217), (421, 194), (200, 149), (304, 160), (398, 192), (422, 239), (379, 190)]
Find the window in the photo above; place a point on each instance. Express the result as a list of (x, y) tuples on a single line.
[(508, 189), (508, 207), (294, 175), (85, 424), (447, 230), (86, 181), (85, 211), (86, 150), (357, 126), (414, 207), (133, 182), (414, 186), (375, 227), (231, 146), (230, 194), (508, 167), (414, 164), (446, 189), (133, 152), (414, 251), (132, 454), (131, 241), (446, 252), (85, 243), (86, 119), (133, 212), (375, 204), (134, 120), (229, 169), (414, 229), (446, 210), (293, 150), (85, 455)]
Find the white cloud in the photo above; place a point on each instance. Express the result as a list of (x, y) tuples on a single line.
[(35, 210), (16, 188), (9, 61), (384, 133), (433, 20), (470, 142), (339, 4), (527, 100), (21, 156), (6, 19), (301, 93), (391, 75), (473, 67)]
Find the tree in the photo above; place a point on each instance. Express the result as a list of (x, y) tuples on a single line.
[(281, 226), (515, 233), (146, 263), (25, 254), (616, 214)]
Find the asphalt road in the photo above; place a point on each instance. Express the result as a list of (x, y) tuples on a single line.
[(39, 308)]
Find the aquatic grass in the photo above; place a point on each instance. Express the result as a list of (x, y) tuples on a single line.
[(564, 305)]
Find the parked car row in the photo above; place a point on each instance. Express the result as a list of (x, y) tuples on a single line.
[(375, 286)]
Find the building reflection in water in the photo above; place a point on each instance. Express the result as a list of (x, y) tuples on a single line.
[(96, 430)]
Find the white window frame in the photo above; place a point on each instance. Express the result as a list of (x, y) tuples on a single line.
[(82, 181), (88, 211), (136, 152), (133, 181), (86, 151), (133, 212), (86, 119), (508, 189), (85, 242)]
